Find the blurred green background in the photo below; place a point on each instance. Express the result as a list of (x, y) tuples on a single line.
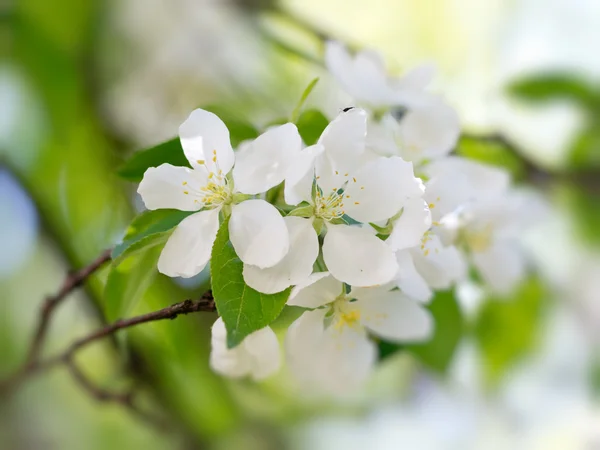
[(83, 84)]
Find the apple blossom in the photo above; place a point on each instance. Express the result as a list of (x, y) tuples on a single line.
[(258, 355), (217, 183), (329, 348), (341, 186)]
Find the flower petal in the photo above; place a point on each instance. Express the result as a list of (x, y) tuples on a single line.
[(265, 161), (188, 249), (318, 289), (262, 348), (455, 181), (302, 339), (258, 233), (357, 257), (167, 186), (380, 189), (257, 356), (300, 175), (440, 266), (295, 267), (395, 317), (203, 137), (410, 227), (347, 358), (429, 130), (409, 280), (502, 266), (344, 139)]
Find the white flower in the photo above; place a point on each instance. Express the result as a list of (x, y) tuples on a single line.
[(329, 348), (426, 131), (431, 266), (256, 229), (489, 231), (340, 186), (257, 357), (365, 79)]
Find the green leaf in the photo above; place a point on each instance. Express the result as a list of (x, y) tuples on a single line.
[(303, 211), (131, 274), (311, 124), (437, 353), (243, 309), (585, 152), (168, 152), (171, 152), (547, 87), (493, 152), (147, 223), (506, 329), (305, 94)]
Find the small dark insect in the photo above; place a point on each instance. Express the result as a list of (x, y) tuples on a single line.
[(347, 108)]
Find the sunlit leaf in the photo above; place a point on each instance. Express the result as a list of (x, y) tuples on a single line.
[(493, 152), (506, 329), (311, 124), (585, 152), (131, 274), (303, 97), (437, 353), (555, 86), (243, 309), (147, 223)]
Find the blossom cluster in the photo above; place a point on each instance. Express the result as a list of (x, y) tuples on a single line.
[(372, 219)]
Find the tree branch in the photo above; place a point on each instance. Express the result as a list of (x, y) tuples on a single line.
[(125, 399), (71, 282)]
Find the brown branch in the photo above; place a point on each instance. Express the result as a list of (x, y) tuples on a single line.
[(72, 282), (206, 303), (124, 399)]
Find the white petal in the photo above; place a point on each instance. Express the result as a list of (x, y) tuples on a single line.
[(410, 227), (417, 78), (380, 189), (300, 175), (295, 267), (429, 131), (382, 136), (318, 289), (455, 181), (258, 233), (229, 362), (348, 358), (409, 280), (203, 136), (301, 343), (357, 257), (340, 64), (262, 348), (257, 356), (264, 162), (188, 249), (440, 266), (344, 139), (502, 266), (395, 317), (165, 187)]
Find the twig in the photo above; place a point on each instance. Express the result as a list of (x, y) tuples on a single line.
[(206, 303), (72, 282), (124, 399)]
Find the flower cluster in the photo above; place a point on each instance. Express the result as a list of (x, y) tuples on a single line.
[(371, 220)]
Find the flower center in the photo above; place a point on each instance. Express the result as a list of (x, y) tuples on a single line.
[(343, 314), (479, 240), (329, 206), (217, 191)]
